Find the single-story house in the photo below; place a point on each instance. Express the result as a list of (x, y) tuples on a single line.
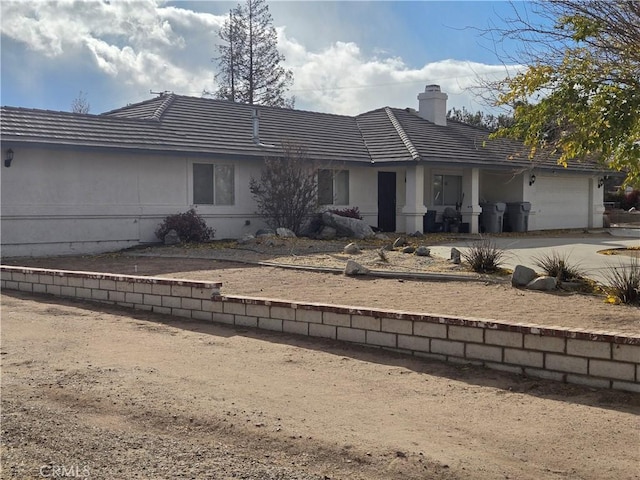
[(83, 183)]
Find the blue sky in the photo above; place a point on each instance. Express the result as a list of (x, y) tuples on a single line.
[(347, 57)]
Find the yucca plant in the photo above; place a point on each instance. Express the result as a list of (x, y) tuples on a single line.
[(484, 256), (623, 282), (559, 266)]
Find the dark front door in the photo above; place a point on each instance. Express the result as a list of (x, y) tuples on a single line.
[(387, 201)]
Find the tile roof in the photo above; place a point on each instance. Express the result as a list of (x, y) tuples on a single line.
[(191, 125)]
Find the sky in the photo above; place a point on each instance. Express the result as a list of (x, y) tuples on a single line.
[(347, 57)]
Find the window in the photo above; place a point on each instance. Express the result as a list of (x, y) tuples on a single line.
[(213, 184), (447, 189), (333, 187)]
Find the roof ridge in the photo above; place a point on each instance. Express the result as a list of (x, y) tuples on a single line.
[(403, 135), (166, 103)]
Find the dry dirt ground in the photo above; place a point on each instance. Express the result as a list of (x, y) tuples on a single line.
[(103, 392)]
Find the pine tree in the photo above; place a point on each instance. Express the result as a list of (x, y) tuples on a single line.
[(250, 64)]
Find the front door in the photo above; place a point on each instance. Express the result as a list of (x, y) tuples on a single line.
[(387, 201)]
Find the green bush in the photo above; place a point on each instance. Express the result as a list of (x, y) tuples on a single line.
[(484, 256), (190, 227), (624, 282), (558, 265)]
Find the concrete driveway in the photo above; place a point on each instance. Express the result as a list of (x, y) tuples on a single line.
[(582, 250)]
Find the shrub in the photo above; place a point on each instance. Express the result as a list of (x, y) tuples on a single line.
[(190, 227), (624, 282), (558, 265), (484, 256), (347, 212), (631, 199)]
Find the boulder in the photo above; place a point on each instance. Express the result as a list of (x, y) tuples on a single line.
[(247, 239), (400, 242), (408, 249), (354, 268), (171, 238), (265, 232), (351, 249), (381, 236), (423, 251), (327, 233), (455, 256), (285, 232), (522, 276), (544, 284), (347, 226)]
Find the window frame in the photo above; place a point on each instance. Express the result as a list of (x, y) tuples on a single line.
[(216, 168), (336, 182), (444, 195)]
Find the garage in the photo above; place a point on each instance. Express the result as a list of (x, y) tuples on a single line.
[(561, 202)]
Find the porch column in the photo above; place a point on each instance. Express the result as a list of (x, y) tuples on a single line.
[(414, 208), (471, 203)]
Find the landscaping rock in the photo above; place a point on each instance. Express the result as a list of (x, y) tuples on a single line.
[(265, 232), (522, 276), (327, 233), (171, 238), (423, 251), (246, 239), (455, 256), (408, 249), (354, 268), (545, 284), (400, 242), (285, 233), (351, 249), (347, 226), (381, 236)]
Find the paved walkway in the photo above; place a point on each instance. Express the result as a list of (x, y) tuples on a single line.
[(582, 251)]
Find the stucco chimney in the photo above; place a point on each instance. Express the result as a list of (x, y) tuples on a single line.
[(432, 105)]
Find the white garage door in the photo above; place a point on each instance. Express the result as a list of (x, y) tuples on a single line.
[(561, 202)]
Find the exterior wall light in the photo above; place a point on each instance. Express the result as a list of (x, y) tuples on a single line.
[(532, 179), (8, 158), (601, 182)]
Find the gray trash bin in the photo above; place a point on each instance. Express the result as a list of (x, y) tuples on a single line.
[(518, 216), (492, 214)]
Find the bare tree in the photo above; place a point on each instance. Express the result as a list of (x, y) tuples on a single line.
[(287, 192), (80, 104)]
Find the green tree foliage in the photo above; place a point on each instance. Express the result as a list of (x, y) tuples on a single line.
[(579, 95), (250, 66), (480, 119), (287, 192)]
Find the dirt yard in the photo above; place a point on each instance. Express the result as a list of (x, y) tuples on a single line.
[(102, 392)]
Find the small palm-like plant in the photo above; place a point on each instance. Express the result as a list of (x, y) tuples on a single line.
[(623, 282), (559, 266), (484, 256)]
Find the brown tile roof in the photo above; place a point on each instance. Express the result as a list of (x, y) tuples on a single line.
[(191, 125)]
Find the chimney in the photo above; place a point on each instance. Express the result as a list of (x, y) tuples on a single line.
[(255, 115), (432, 105)]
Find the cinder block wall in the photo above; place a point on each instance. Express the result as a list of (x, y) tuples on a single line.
[(597, 359)]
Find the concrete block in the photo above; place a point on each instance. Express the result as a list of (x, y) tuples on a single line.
[(212, 306), (83, 292), (6, 276), (397, 326), (59, 280), (98, 294), (353, 335), (466, 334), (586, 348), (107, 284), (365, 322), (415, 344), (134, 297), (124, 286), (258, 310), (143, 288), (337, 319), (308, 316), (181, 291), (609, 369), (34, 278), (11, 285), (626, 386), (299, 328), (501, 367), (160, 289), (626, 353), (124, 304), (381, 339), (203, 293), (139, 306), (324, 331), (162, 310), (67, 291), (76, 282), (116, 296), (505, 339), (283, 313), (48, 279), (246, 321), (28, 287), (192, 303), (431, 330), (152, 299), (447, 347), (483, 352), (270, 324), (199, 315), (40, 288), (18, 277), (91, 283), (51, 289), (223, 318), (546, 344), (526, 358), (235, 308), (545, 374), (588, 381), (172, 302), (564, 363), (181, 312)]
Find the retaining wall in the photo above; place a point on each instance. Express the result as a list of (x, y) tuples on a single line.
[(597, 359)]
